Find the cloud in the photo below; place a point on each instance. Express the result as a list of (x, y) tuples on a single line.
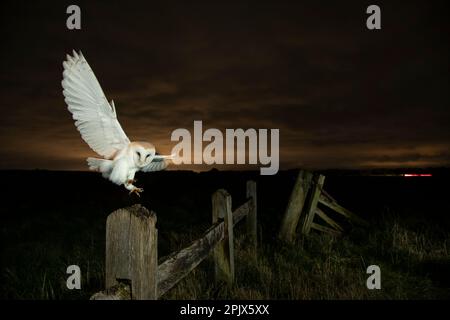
[(340, 95)]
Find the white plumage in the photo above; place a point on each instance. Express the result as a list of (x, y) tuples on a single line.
[(96, 120)]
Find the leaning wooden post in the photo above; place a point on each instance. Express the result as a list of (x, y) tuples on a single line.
[(295, 206), (252, 216), (131, 251), (312, 203), (224, 251)]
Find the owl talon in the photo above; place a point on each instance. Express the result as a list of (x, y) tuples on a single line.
[(131, 181), (137, 191)]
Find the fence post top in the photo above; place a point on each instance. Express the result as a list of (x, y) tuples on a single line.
[(137, 210), (222, 192)]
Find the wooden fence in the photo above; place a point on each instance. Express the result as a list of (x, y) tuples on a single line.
[(132, 268), (307, 194)]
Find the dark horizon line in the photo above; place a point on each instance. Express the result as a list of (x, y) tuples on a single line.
[(255, 170)]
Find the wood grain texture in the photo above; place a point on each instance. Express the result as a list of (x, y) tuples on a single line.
[(131, 251), (224, 251), (317, 184), (240, 213), (132, 270), (329, 201), (295, 206), (179, 264), (328, 220), (252, 216)]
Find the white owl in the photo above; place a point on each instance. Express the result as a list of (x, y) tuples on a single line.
[(97, 122)]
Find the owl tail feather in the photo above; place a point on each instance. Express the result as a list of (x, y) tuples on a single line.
[(101, 165)]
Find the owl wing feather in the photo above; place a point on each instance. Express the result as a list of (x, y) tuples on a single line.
[(158, 163), (95, 118)]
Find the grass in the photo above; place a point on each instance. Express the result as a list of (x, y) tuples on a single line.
[(414, 262), (324, 267)]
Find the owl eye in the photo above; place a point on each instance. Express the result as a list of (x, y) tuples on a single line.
[(147, 156), (138, 154)]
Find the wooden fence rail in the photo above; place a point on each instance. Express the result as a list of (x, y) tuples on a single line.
[(132, 270)]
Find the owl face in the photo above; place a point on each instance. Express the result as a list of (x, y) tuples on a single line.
[(143, 155)]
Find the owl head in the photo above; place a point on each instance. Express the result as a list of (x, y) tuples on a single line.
[(143, 153)]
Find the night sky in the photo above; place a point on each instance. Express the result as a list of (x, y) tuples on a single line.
[(342, 96)]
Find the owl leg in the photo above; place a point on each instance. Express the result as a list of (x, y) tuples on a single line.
[(129, 185)]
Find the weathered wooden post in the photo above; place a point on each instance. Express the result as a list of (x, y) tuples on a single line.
[(310, 209), (224, 251), (131, 251), (295, 206), (252, 216)]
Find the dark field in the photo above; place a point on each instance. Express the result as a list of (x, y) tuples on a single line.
[(54, 219)]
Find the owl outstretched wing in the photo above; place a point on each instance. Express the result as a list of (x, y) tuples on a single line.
[(94, 117), (158, 163)]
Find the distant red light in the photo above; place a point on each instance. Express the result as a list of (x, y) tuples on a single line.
[(417, 175)]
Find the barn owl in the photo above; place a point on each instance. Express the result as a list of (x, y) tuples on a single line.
[(96, 120)]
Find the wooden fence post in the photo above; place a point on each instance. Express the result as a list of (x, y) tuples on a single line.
[(295, 206), (252, 216), (312, 203), (224, 251), (131, 251)]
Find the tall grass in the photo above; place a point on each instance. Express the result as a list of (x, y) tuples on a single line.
[(324, 267), (414, 261)]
